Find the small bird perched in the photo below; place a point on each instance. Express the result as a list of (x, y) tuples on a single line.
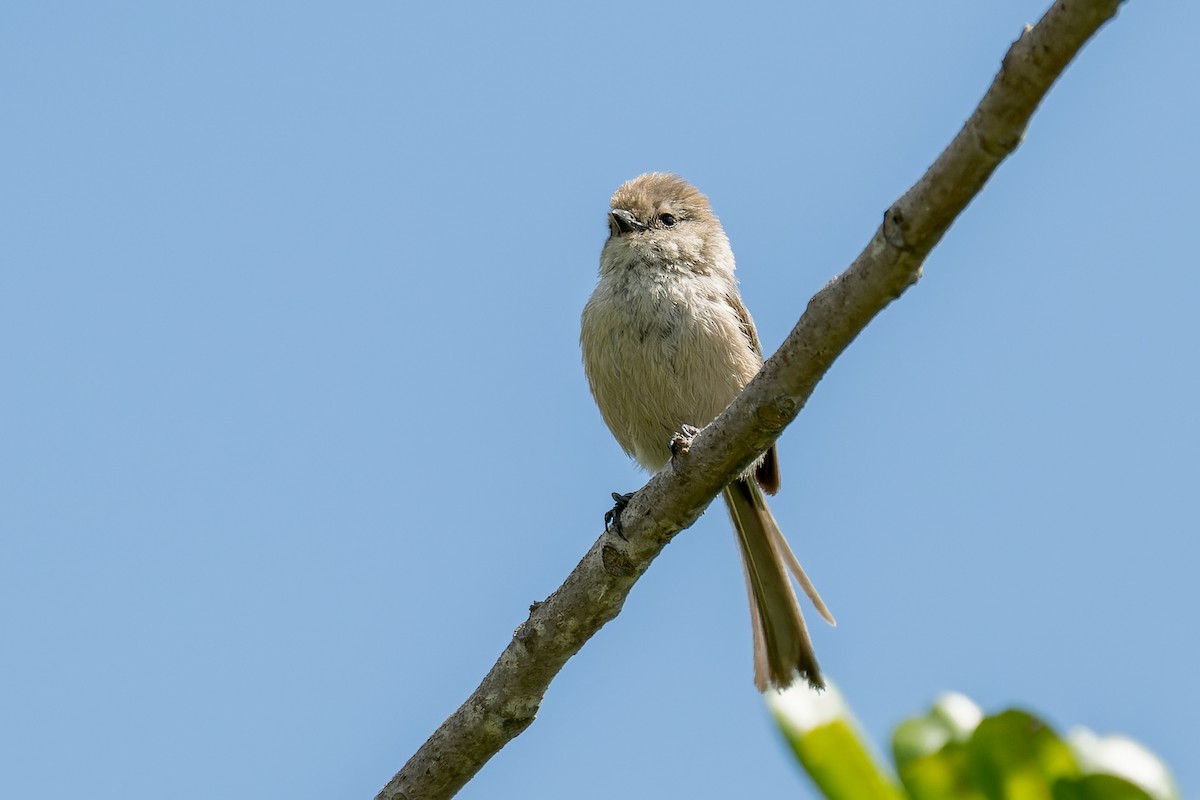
[(667, 344)]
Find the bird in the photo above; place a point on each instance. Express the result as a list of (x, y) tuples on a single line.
[(667, 343)]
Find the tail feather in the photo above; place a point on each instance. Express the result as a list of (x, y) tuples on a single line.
[(793, 564), (782, 646)]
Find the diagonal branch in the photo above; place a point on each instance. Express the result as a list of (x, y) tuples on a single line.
[(507, 700)]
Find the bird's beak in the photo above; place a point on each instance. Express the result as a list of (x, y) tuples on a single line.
[(624, 222)]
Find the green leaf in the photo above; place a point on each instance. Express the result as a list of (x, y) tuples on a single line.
[(930, 750), (917, 738), (840, 764), (1098, 787), (1124, 758), (828, 744), (1016, 756), (943, 775), (950, 753)]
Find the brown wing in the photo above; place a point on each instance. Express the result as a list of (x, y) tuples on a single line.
[(745, 322), (767, 472)]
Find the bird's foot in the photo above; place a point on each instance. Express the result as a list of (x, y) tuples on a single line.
[(612, 518), (681, 442)]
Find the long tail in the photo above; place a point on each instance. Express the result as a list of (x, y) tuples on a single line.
[(781, 643)]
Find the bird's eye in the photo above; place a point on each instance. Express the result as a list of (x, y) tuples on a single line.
[(668, 220)]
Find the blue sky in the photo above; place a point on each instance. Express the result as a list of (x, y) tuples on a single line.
[(294, 425)]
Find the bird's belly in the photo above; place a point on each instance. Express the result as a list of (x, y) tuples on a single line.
[(663, 371)]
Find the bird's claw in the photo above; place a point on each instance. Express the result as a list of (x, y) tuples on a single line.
[(681, 442), (612, 518)]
